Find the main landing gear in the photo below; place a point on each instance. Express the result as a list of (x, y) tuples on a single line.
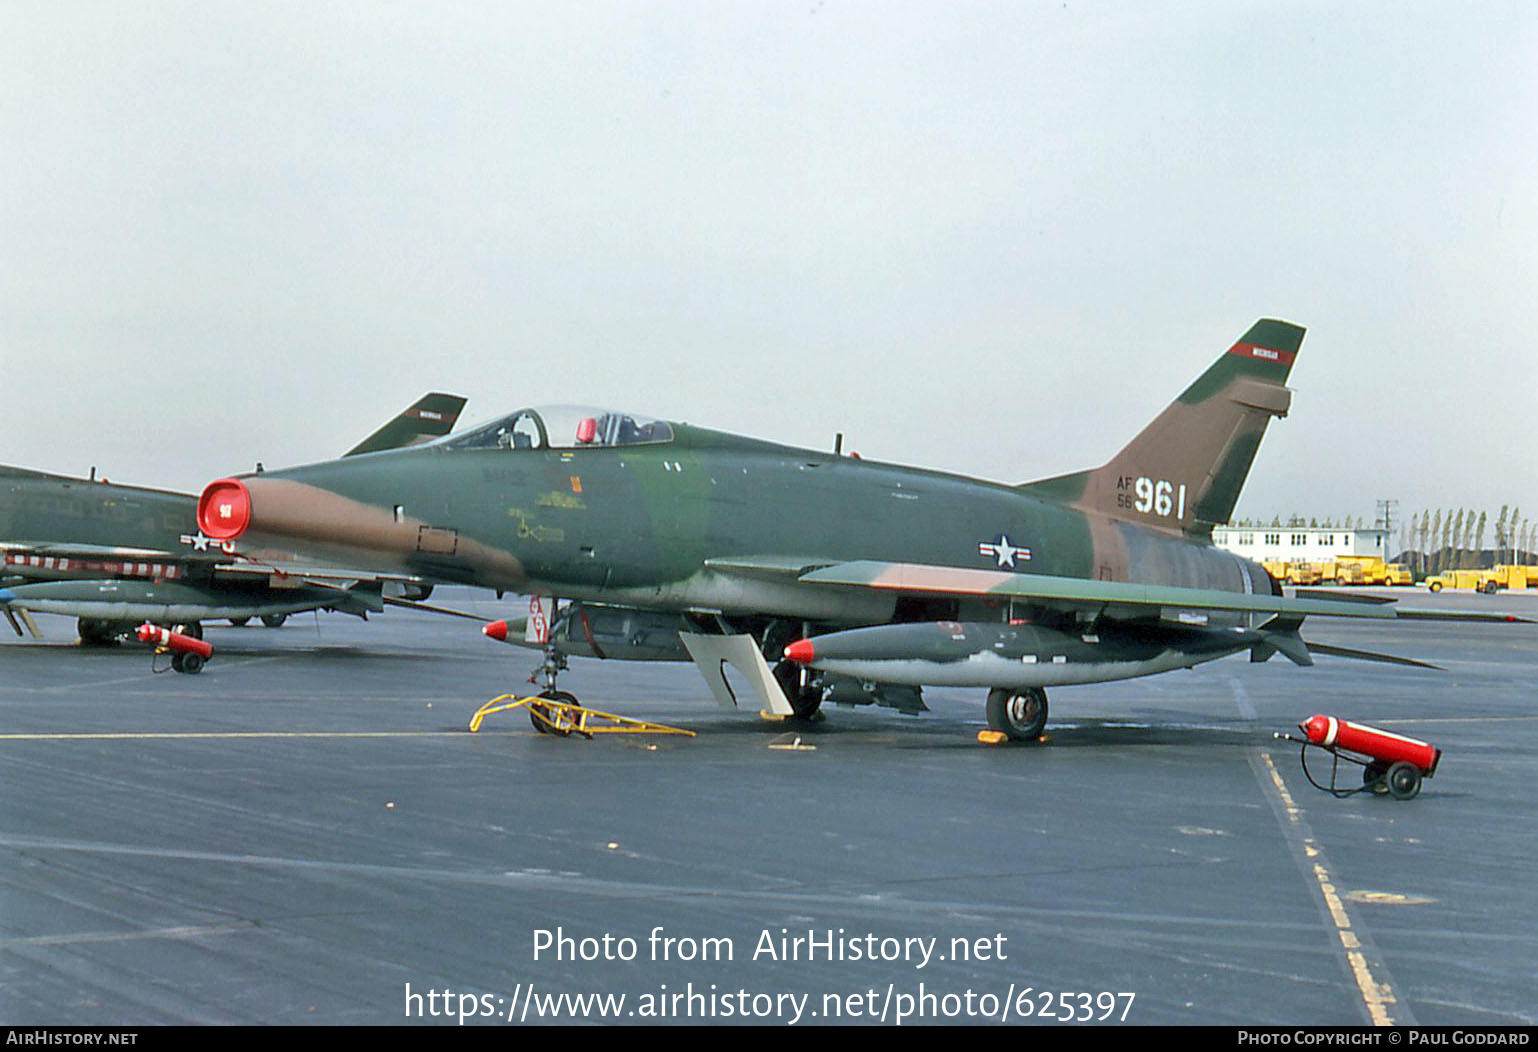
[(1021, 715), (804, 697)]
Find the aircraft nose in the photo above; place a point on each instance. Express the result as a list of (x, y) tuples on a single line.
[(224, 509)]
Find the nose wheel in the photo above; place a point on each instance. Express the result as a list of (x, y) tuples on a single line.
[(547, 720), (1020, 716)]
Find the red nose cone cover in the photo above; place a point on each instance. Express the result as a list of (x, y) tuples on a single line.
[(1320, 729), (224, 510), (801, 652), (496, 630)]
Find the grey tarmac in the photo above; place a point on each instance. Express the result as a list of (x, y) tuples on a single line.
[(306, 833)]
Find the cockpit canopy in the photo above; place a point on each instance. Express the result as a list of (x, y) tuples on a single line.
[(562, 427)]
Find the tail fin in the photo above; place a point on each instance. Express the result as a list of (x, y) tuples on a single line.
[(1184, 471), (430, 416)]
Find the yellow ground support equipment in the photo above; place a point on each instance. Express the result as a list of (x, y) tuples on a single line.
[(1459, 579), (564, 718)]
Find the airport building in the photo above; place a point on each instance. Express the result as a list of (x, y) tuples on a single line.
[(1292, 544)]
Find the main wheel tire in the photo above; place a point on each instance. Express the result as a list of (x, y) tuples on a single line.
[(95, 632), (274, 620), (1020, 715), (804, 701), (1403, 780)]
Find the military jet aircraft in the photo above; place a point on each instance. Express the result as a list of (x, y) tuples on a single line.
[(820, 576), (114, 556)]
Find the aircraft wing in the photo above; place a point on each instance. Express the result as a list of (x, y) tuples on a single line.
[(104, 583), (325, 576), (770, 566), (76, 560), (1112, 598), (56, 550)]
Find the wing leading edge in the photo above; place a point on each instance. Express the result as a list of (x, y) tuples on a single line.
[(924, 579)]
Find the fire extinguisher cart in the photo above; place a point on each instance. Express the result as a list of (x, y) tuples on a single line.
[(1391, 763), (188, 653)]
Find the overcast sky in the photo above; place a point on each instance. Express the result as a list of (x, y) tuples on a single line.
[(988, 238)]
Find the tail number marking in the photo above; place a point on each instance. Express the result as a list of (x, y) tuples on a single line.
[(1157, 496)]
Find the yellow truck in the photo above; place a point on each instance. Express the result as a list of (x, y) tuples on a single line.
[(1399, 574), (1455, 579), (1487, 581), (1294, 573), (1510, 577), (1357, 569), (1345, 573)]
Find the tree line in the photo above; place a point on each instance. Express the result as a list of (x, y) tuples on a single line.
[(1455, 539)]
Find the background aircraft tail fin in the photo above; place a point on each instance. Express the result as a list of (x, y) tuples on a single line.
[(1184, 471), (425, 419)]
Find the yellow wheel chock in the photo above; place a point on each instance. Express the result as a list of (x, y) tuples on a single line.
[(564, 719)]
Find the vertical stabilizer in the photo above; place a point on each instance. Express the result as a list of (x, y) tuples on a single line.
[(1184, 471), (429, 417)]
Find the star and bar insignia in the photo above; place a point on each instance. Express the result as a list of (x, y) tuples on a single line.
[(1003, 551)]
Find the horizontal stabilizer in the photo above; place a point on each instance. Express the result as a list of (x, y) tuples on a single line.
[(1344, 597), (1465, 615), (1368, 655)]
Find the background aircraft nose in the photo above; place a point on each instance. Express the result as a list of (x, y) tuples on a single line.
[(224, 509)]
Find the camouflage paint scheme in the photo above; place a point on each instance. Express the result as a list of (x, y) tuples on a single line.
[(115, 555), (728, 523), (669, 527)]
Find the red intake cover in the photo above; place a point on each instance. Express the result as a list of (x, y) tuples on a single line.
[(224, 509)]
